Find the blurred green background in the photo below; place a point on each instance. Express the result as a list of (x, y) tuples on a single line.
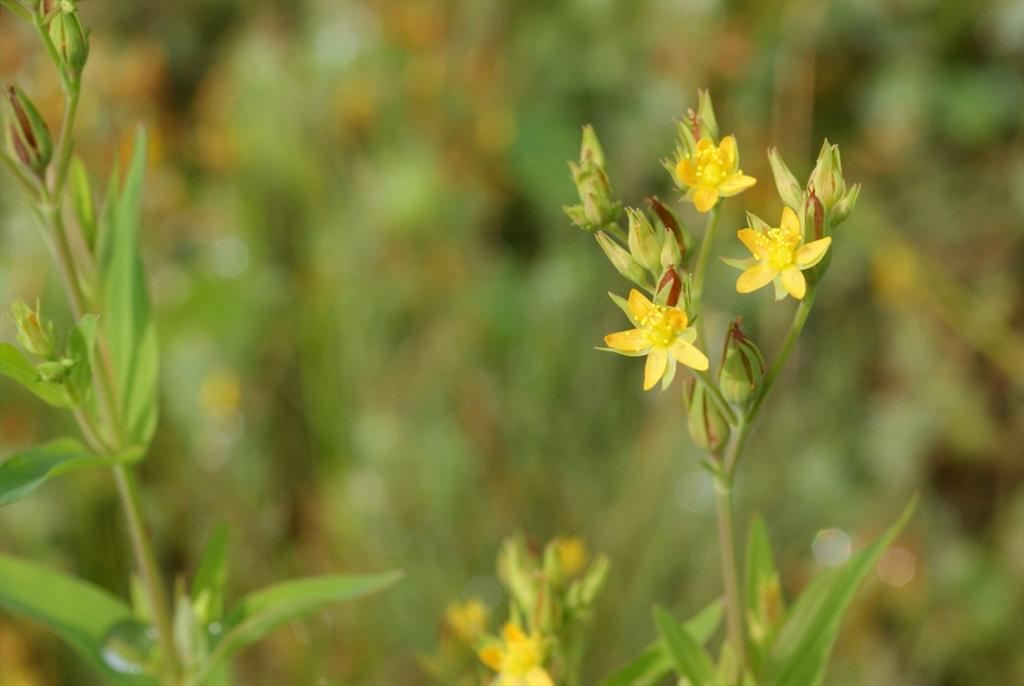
[(377, 326)]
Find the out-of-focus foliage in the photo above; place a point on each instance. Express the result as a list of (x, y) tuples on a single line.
[(376, 324)]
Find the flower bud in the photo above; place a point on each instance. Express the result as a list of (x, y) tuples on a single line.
[(789, 188), (590, 149), (517, 570), (622, 260), (671, 225), (707, 123), (27, 134), (55, 371), (70, 38), (669, 288), (707, 427), (35, 336), (643, 242), (845, 205), (742, 366), (597, 208), (827, 177)]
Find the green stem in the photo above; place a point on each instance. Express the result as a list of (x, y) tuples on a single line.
[(746, 422), (66, 141), (730, 579), (697, 295), (15, 6)]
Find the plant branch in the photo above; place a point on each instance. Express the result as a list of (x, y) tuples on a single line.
[(730, 580), (700, 270)]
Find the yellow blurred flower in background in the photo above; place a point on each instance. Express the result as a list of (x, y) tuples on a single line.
[(519, 661), (572, 554), (468, 620)]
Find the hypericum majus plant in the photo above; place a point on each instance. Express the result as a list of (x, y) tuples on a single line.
[(764, 642), (104, 370)]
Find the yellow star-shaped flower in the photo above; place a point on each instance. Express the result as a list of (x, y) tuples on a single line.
[(712, 172), (662, 335), (780, 253), (519, 660)]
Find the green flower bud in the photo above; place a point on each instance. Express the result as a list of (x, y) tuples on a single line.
[(622, 260), (517, 570), (583, 593), (671, 225), (742, 366), (707, 427), (34, 335), (597, 208), (789, 188), (590, 149), (707, 123), (56, 371), (845, 205), (27, 135), (70, 38), (827, 177), (643, 241)]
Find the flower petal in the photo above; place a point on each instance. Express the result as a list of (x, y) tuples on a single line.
[(537, 677), (790, 222), (631, 341), (492, 656), (810, 254), (512, 633), (639, 305), (757, 243), (657, 360), (727, 149), (686, 172), (737, 183), (737, 263), (794, 282), (704, 198), (670, 373), (689, 355), (755, 277)]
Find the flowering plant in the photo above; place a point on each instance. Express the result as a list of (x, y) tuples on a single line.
[(106, 375)]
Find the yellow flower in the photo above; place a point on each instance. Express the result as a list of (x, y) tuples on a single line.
[(780, 253), (712, 172), (572, 555), (467, 620), (519, 661), (662, 335)]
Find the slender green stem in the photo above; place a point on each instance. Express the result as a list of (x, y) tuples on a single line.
[(66, 140), (730, 578), (697, 296)]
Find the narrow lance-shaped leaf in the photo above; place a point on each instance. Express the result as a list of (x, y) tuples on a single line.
[(653, 663), (26, 470), (687, 655), (211, 576), (126, 310), (14, 365), (762, 594), (261, 612), (802, 649), (82, 615)]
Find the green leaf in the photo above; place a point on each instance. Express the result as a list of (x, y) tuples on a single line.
[(26, 470), (211, 576), (126, 312), (81, 342), (14, 365), (762, 594), (800, 653), (686, 653), (647, 668), (78, 612), (261, 612)]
